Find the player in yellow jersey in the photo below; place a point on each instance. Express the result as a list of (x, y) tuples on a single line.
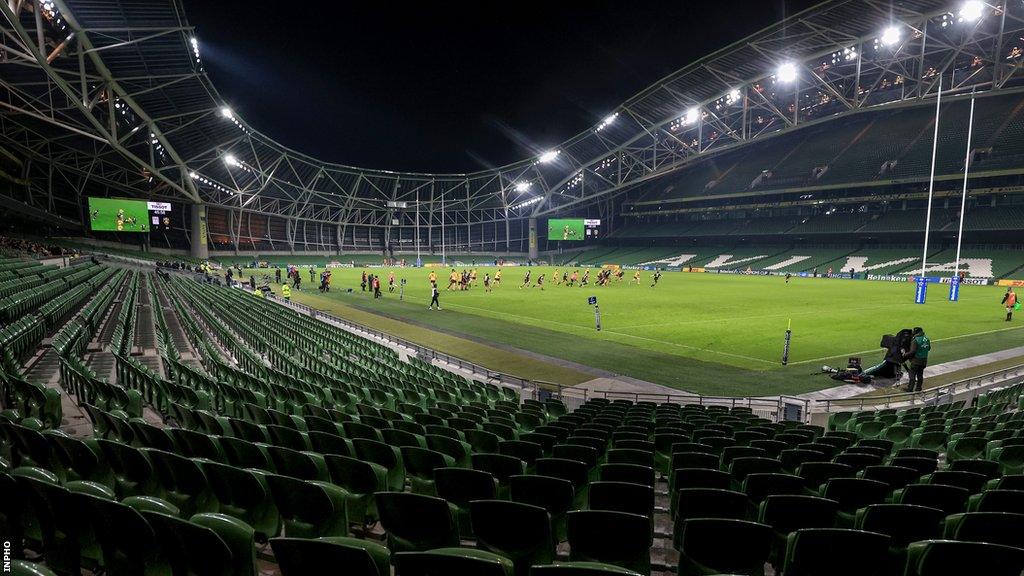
[(497, 278), (432, 277), (558, 279), (636, 277)]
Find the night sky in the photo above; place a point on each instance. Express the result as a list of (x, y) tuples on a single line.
[(451, 86)]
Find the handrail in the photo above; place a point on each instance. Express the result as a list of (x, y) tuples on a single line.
[(937, 395)]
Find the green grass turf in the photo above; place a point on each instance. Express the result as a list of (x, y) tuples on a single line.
[(707, 333)]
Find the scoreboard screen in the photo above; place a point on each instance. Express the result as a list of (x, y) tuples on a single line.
[(573, 229), (128, 215)]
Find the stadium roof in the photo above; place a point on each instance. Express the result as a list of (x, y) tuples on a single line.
[(115, 93)]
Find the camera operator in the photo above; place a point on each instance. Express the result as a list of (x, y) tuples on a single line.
[(920, 346)]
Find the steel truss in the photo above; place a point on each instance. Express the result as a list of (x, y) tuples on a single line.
[(99, 97)]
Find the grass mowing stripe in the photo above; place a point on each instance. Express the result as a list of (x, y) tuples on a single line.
[(580, 328), (742, 318), (947, 339)]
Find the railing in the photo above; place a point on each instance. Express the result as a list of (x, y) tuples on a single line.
[(774, 408), (938, 395)]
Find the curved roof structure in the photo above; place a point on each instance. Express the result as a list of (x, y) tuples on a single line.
[(114, 94)]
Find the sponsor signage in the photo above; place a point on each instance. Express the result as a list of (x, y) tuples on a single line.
[(969, 281), (1012, 283)]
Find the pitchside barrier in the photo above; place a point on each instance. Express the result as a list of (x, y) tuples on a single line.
[(967, 389), (834, 275)]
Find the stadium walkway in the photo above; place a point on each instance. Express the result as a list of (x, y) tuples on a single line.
[(628, 385), (850, 390)]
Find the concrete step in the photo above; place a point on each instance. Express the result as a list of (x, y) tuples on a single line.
[(103, 364), (145, 330), (44, 368)]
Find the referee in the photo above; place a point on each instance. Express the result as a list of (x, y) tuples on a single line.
[(434, 293)]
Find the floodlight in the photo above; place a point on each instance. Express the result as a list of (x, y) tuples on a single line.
[(890, 36), (522, 186), (195, 42), (230, 160), (786, 72), (972, 10), (226, 112), (734, 95), (609, 119), (548, 156), (692, 115)]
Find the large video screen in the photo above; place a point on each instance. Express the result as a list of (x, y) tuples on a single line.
[(573, 229), (125, 215)]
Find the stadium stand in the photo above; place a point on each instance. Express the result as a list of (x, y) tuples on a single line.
[(830, 223), (907, 220), (210, 436), (770, 225), (1002, 218), (857, 151), (847, 221)]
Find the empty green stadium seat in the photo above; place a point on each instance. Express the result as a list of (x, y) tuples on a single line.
[(300, 556), (415, 522), (616, 538), (719, 546)]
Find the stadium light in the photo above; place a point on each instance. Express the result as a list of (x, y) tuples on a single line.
[(522, 186), (607, 121), (786, 72), (227, 113), (972, 10), (734, 95), (890, 36), (692, 115), (230, 160), (548, 157)]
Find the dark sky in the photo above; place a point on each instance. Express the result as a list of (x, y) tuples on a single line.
[(451, 86)]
